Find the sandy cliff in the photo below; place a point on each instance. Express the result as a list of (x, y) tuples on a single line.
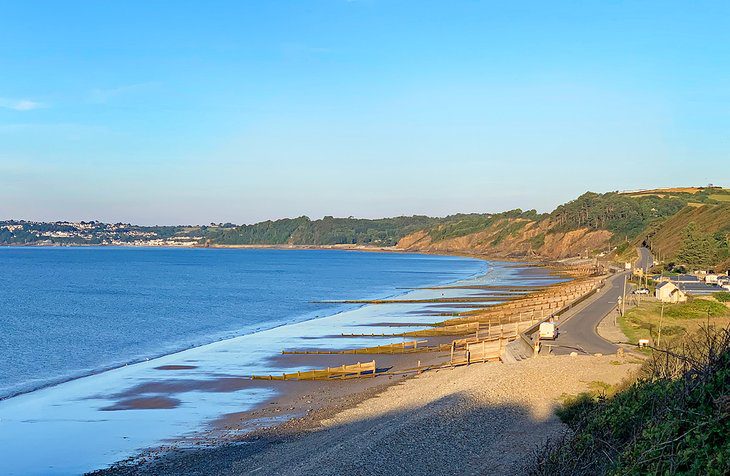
[(513, 238)]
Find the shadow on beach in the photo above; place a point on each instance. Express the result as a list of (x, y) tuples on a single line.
[(450, 435)]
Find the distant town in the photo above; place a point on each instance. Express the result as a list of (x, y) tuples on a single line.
[(60, 233)]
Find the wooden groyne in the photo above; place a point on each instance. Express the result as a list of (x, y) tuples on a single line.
[(442, 300), (481, 335), (397, 348), (343, 372), (537, 305), (488, 328)]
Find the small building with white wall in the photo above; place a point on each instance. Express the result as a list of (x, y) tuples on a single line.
[(669, 292)]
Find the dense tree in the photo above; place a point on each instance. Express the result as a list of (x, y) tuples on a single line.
[(699, 249), (621, 214)]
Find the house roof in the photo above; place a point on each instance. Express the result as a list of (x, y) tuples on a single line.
[(699, 288), (665, 284)]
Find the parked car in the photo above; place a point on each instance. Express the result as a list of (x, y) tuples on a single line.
[(641, 291)]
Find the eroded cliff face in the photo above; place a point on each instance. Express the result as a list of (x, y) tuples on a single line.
[(532, 239)]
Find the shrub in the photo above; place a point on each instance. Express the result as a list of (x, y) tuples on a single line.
[(673, 420), (722, 296), (574, 408)]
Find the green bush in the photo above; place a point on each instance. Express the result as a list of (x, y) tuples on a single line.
[(574, 408), (722, 296), (673, 420), (537, 241)]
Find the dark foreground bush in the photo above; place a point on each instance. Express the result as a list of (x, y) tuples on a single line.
[(674, 420)]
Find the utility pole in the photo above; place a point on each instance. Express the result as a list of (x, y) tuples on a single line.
[(661, 317), (623, 299)]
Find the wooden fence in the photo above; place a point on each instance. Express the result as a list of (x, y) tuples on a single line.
[(484, 350)]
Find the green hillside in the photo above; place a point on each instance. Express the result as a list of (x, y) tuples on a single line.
[(709, 225), (656, 216), (326, 231)]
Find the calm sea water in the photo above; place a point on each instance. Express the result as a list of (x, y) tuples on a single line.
[(67, 312)]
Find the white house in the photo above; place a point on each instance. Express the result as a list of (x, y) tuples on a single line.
[(669, 292)]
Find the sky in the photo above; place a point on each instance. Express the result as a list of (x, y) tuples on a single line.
[(183, 112)]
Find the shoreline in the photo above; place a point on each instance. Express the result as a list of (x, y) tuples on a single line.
[(220, 366), (339, 247), (296, 407), (290, 321), (211, 384), (286, 322)]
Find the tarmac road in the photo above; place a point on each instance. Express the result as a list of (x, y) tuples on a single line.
[(646, 260), (577, 327)]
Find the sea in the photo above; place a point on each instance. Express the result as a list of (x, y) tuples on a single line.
[(69, 312), (81, 328)]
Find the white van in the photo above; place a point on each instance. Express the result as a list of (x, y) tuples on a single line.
[(548, 330)]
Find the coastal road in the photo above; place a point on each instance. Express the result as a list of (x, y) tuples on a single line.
[(578, 326), (646, 260)]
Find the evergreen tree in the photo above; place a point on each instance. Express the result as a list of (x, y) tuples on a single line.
[(699, 249)]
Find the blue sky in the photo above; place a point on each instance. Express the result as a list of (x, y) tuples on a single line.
[(191, 112)]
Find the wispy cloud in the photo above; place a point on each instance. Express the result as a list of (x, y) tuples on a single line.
[(20, 104), (103, 96)]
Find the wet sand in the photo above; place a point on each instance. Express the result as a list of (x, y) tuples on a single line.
[(176, 367)]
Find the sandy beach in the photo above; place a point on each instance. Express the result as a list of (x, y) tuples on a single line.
[(488, 418)]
